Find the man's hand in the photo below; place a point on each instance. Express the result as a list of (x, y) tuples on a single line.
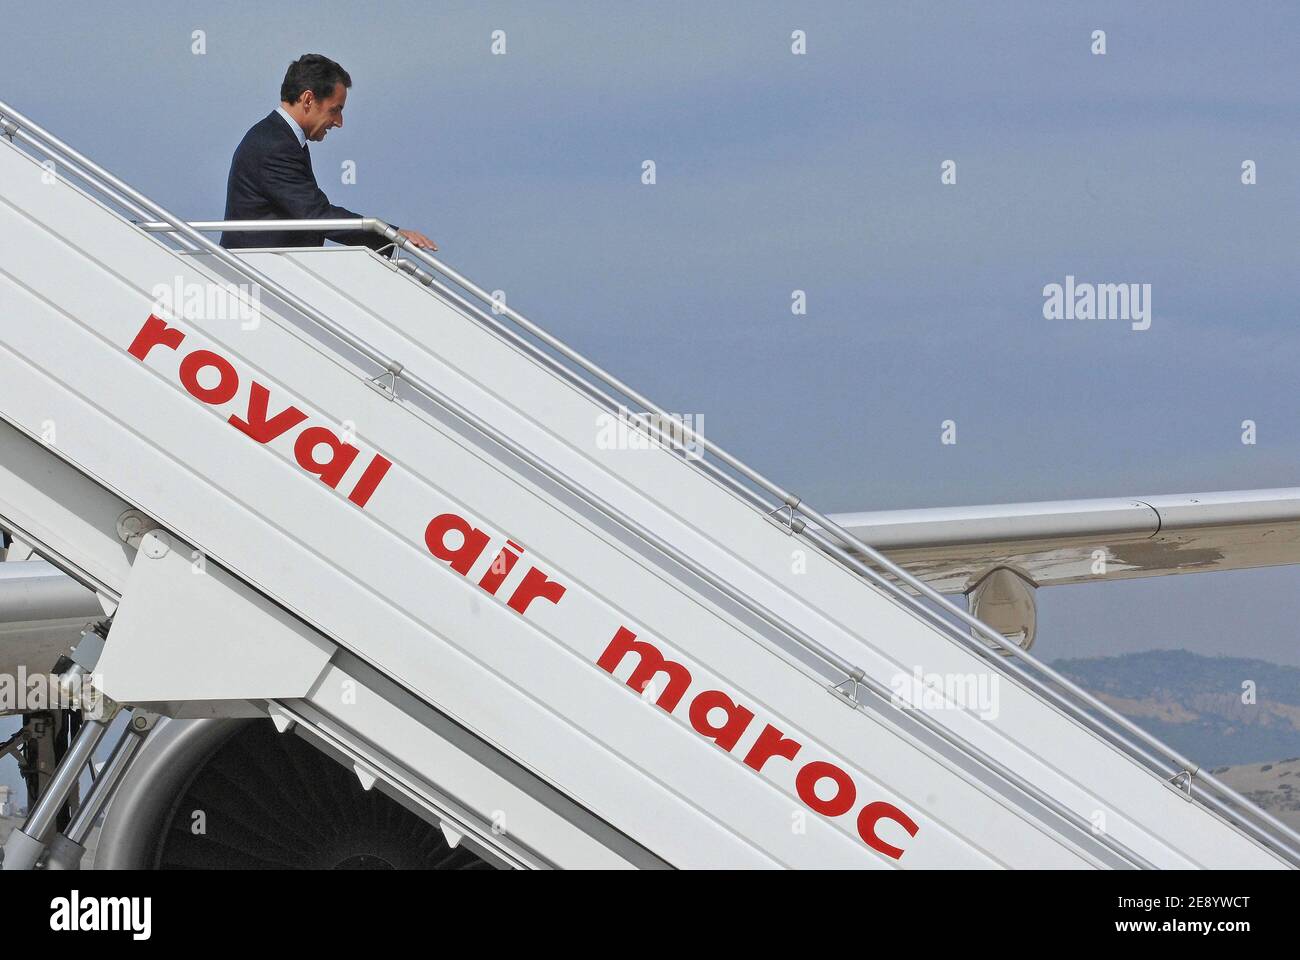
[(418, 239)]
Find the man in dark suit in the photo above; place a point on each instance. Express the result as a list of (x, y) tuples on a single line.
[(271, 176)]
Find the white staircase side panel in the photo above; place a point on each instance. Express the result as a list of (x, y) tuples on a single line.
[(61, 512), (188, 630), (519, 396)]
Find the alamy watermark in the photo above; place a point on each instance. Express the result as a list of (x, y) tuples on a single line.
[(977, 692), (182, 300), (24, 692), (651, 431), (1098, 301), (77, 913)]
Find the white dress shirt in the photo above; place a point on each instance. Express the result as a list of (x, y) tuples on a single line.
[(293, 125)]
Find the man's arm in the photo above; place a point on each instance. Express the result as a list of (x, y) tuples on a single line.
[(302, 199)]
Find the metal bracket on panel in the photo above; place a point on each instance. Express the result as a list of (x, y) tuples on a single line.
[(282, 719), (1182, 782), (9, 128), (410, 267), (90, 644), (204, 646), (784, 515), (452, 835), (853, 683), (132, 526), (365, 775), (386, 382), (142, 721), (78, 685)]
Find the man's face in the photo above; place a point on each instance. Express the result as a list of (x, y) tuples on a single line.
[(323, 115)]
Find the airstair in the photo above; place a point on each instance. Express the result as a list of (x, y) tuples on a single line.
[(365, 497)]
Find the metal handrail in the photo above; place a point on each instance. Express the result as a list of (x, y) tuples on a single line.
[(192, 238)]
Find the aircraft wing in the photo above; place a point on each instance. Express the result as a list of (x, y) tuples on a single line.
[(1064, 541)]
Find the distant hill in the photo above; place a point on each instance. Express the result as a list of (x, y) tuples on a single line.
[(1273, 786), (1194, 703)]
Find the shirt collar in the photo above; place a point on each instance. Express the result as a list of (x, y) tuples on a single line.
[(293, 125)]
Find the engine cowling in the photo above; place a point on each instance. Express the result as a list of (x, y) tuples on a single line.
[(236, 794)]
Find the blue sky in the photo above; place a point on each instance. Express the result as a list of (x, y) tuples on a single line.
[(822, 173)]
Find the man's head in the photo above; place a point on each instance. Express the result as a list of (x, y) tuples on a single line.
[(314, 91)]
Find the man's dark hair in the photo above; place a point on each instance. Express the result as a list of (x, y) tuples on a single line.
[(312, 72)]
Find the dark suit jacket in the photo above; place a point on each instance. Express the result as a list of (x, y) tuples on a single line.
[(271, 179)]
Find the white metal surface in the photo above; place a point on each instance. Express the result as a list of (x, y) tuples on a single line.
[(42, 613), (526, 678), (200, 638)]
